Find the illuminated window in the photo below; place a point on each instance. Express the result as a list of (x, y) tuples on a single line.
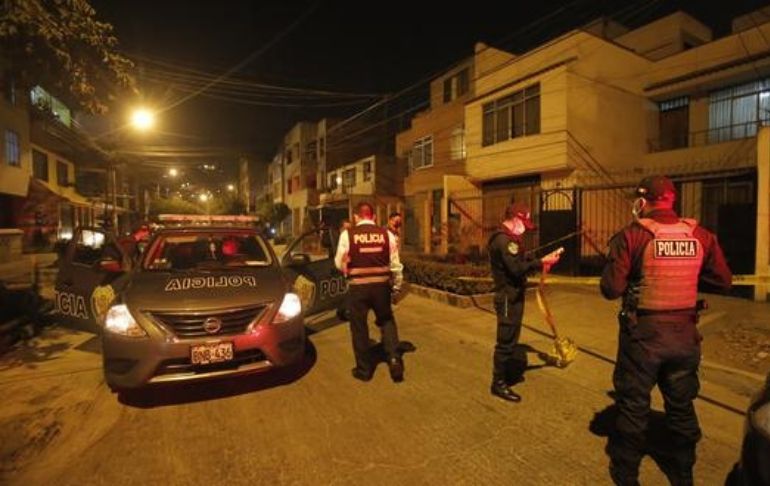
[(367, 171), (422, 153)]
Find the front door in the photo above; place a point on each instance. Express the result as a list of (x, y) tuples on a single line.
[(309, 262), (91, 270)]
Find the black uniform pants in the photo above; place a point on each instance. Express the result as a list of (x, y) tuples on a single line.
[(509, 307), (662, 350), (362, 298)]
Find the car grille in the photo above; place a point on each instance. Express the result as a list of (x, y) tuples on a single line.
[(191, 324), (183, 365)]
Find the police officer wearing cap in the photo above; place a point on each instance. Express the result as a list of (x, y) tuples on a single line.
[(368, 255), (510, 266), (656, 265)]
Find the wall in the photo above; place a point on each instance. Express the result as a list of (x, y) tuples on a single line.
[(15, 180), (665, 36)]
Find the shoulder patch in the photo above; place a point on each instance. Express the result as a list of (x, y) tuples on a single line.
[(513, 248)]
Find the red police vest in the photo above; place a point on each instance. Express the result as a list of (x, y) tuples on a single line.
[(671, 263), (369, 255)]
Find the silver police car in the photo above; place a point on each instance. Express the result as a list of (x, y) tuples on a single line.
[(199, 302)]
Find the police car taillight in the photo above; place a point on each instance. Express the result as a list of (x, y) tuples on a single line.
[(290, 308)]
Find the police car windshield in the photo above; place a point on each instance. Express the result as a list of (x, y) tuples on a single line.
[(206, 251)]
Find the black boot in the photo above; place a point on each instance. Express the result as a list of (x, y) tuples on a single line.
[(501, 389), (396, 367)]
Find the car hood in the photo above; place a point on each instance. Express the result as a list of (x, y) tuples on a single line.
[(192, 291)]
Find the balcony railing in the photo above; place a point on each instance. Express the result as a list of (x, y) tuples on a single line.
[(673, 141)]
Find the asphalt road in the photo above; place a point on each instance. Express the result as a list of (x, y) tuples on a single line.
[(315, 424)]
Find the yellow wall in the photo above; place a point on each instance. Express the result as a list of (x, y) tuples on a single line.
[(14, 180), (664, 36)]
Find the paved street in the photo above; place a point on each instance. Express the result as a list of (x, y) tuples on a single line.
[(59, 424)]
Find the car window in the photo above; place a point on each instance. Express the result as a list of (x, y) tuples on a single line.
[(89, 247), (206, 251), (316, 245)]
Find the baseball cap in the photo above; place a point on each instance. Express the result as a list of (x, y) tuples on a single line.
[(521, 210), (654, 188)]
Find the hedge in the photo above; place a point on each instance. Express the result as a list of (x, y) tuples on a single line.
[(445, 276)]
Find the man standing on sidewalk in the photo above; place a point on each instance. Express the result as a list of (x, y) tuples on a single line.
[(510, 267), (368, 255), (656, 264)]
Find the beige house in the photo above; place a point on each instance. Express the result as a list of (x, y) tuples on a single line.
[(571, 125)]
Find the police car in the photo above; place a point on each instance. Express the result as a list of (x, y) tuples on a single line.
[(200, 301), (754, 466)]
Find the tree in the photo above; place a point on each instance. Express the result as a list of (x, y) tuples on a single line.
[(275, 213), (61, 45)]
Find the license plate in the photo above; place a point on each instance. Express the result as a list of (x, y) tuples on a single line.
[(202, 354)]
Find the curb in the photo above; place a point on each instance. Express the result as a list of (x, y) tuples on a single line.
[(449, 298)]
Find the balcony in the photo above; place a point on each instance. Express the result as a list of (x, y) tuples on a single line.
[(712, 136)]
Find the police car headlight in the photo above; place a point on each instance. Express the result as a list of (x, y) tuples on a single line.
[(760, 419), (120, 321), (290, 308)]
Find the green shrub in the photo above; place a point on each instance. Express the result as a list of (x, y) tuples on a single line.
[(425, 271)]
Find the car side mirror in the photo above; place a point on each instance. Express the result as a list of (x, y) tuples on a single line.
[(110, 265)]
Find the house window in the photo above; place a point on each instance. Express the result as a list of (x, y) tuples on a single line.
[(288, 186), (9, 89), (457, 143), (311, 151), (296, 183), (62, 177), (40, 165), (43, 100), (349, 177), (457, 85), (321, 146), (332, 181), (674, 123), (367, 171), (288, 157), (310, 181), (12, 150), (512, 116), (736, 112), (422, 153)]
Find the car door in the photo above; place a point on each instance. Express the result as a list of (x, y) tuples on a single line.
[(309, 262), (91, 272)]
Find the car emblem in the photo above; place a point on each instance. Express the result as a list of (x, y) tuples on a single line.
[(212, 325)]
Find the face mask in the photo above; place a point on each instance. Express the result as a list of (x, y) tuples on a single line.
[(518, 227), (638, 207)]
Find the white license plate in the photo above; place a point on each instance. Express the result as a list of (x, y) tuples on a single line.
[(202, 354)]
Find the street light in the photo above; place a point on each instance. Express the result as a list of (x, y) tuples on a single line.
[(173, 172), (203, 197), (142, 119), (230, 187)]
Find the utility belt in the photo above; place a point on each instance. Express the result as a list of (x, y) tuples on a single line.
[(669, 315), (369, 275)]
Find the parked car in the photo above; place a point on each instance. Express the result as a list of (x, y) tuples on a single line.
[(200, 302), (753, 468)]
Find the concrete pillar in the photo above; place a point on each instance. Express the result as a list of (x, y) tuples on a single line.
[(426, 226), (444, 248), (762, 260)]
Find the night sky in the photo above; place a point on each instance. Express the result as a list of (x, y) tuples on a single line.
[(352, 47)]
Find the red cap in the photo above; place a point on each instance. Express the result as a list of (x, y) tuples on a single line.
[(521, 210)]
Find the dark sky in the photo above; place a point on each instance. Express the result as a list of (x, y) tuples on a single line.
[(360, 47)]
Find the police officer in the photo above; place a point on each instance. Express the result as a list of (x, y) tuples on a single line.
[(368, 255), (510, 266), (656, 264)]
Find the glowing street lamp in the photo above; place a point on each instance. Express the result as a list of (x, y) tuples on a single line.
[(231, 187), (173, 172), (203, 197), (142, 119)]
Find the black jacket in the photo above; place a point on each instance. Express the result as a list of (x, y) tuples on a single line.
[(509, 260)]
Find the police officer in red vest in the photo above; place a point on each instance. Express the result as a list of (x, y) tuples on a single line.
[(656, 264), (368, 255)]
